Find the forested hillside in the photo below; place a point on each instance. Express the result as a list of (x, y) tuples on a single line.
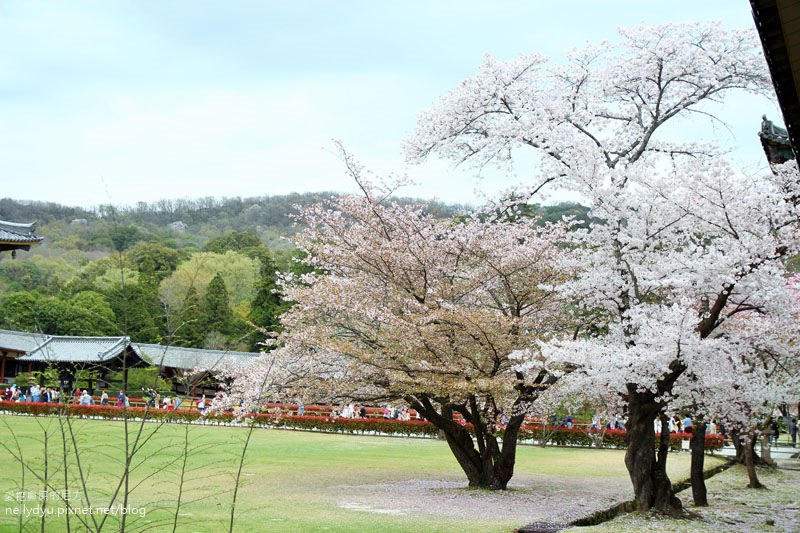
[(198, 273)]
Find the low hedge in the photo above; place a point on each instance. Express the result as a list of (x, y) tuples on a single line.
[(349, 425), (561, 436), (109, 411)]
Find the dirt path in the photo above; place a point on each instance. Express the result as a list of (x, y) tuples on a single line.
[(529, 498)]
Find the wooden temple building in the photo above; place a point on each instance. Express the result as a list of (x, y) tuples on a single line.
[(67, 355), (187, 368)]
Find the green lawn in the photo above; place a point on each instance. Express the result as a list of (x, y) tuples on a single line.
[(291, 481)]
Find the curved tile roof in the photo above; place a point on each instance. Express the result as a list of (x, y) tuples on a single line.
[(20, 341), (63, 349), (69, 349), (16, 233), (191, 358)]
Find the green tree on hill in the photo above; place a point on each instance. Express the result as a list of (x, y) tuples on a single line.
[(236, 241), (86, 313), (89, 313), (17, 311), (189, 327), (123, 237), (218, 314), (137, 310), (268, 304), (154, 258)]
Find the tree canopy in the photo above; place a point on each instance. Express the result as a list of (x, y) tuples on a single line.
[(678, 243), (404, 306)]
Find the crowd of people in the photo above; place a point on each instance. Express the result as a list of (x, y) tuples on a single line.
[(348, 411), (41, 394), (153, 399), (390, 412), (35, 393), (686, 425)]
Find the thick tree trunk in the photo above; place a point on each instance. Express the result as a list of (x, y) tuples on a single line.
[(469, 460), (749, 454), (698, 446), (504, 467), (651, 485), (489, 466)]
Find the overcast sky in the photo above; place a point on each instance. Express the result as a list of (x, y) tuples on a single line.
[(126, 101)]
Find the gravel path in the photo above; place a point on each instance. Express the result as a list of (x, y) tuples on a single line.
[(529, 499)]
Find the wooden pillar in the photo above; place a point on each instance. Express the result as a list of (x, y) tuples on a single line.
[(3, 369)]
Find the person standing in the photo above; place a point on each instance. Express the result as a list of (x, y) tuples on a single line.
[(776, 430), (104, 398), (793, 431), (85, 399)]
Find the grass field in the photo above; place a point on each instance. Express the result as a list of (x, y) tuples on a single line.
[(293, 481)]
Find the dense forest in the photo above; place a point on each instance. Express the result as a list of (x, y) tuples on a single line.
[(197, 273)]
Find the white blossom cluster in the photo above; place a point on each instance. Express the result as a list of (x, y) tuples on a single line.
[(683, 263)]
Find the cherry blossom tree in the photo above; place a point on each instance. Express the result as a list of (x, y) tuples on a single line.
[(405, 306), (680, 243), (752, 368)]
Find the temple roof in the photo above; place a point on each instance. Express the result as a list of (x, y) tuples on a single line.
[(67, 349), (63, 349), (192, 358), (20, 341), (17, 235)]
